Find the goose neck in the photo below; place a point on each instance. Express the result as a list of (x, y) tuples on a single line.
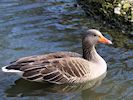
[(90, 53)]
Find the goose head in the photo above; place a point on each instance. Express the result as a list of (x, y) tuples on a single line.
[(93, 37), (90, 39)]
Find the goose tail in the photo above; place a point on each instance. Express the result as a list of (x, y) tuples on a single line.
[(8, 70)]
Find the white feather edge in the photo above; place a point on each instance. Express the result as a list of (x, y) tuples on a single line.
[(12, 71)]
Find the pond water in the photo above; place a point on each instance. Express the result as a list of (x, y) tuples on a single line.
[(31, 27)]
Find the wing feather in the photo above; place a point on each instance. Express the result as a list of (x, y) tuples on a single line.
[(55, 68), (66, 70), (63, 70)]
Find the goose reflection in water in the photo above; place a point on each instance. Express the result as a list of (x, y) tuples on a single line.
[(26, 88)]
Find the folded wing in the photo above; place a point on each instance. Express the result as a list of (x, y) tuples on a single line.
[(55, 68)]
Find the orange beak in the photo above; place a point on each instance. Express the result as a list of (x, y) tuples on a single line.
[(104, 40)]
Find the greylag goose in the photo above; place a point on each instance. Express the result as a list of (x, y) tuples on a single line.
[(64, 67)]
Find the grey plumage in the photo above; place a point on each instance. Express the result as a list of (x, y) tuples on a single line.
[(60, 67)]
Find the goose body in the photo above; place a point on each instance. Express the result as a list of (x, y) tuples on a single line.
[(64, 67)]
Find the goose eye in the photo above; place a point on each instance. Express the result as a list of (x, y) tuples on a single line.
[(94, 35)]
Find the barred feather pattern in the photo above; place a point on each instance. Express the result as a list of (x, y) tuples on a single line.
[(59, 68)]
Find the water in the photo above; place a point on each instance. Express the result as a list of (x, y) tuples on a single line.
[(30, 27)]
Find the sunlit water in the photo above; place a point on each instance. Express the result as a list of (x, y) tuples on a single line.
[(31, 27)]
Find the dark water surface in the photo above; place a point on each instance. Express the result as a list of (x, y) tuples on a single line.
[(30, 27)]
